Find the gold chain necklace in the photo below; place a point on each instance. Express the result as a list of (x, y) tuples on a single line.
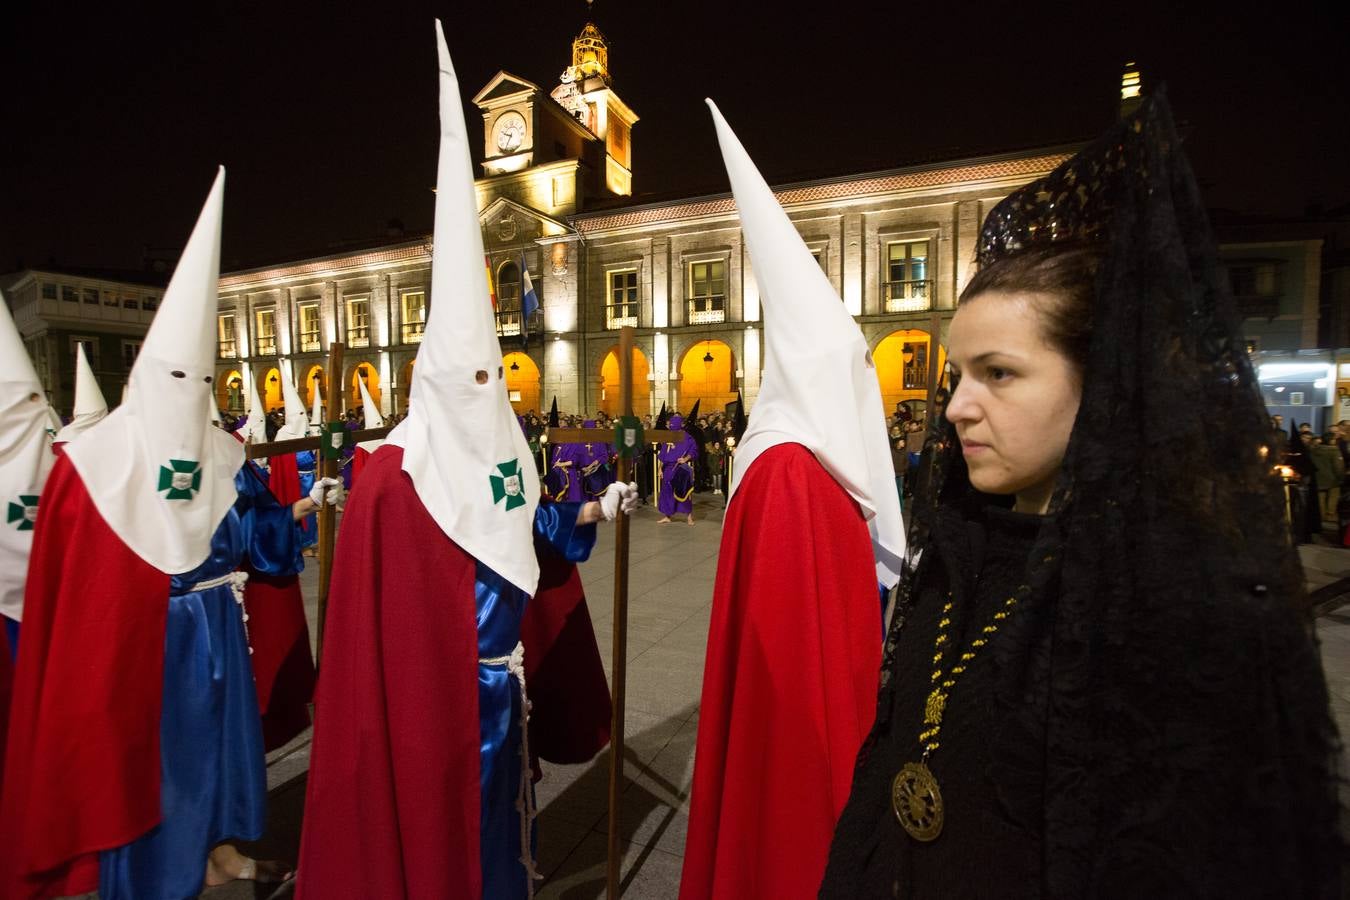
[(915, 796)]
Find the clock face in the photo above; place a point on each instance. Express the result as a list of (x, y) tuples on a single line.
[(508, 132)]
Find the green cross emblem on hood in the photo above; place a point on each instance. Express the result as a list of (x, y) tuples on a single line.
[(23, 514), (181, 478), (508, 485)]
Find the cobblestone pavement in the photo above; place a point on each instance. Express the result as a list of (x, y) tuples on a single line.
[(670, 590)]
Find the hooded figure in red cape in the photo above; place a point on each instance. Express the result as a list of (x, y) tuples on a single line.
[(419, 773), (374, 419), (135, 746), (812, 528)]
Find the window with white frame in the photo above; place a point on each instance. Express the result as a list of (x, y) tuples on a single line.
[(414, 305), (508, 299), (907, 285), (130, 350), (309, 327), (621, 307), (358, 321), (226, 340), (266, 328), (707, 292)]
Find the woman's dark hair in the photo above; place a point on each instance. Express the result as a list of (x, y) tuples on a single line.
[(1067, 273)]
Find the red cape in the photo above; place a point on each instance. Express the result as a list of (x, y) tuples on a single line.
[(82, 765), (392, 808), (284, 482), (360, 457), (790, 683), (565, 677)]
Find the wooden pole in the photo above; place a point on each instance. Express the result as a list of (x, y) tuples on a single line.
[(618, 665), (328, 468)]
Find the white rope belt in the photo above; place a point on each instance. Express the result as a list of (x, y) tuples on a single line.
[(236, 581), (525, 805)]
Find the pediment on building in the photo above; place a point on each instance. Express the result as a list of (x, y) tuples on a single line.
[(503, 85), (506, 222)]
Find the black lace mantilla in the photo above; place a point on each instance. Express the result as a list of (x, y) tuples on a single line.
[(1188, 748)]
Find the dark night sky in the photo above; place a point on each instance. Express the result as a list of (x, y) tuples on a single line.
[(326, 118)]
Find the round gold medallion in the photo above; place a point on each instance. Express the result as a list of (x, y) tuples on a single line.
[(917, 802)]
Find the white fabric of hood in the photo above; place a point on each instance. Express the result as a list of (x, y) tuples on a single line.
[(297, 419), (316, 412), (462, 446), (90, 406), (820, 388), (25, 461), (255, 429), (372, 415), (159, 473)]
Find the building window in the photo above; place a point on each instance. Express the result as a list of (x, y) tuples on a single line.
[(622, 308), (149, 304), (358, 322), (130, 350), (130, 303), (225, 336), (110, 298), (508, 299), (1257, 286), (414, 305), (907, 287), (49, 291), (91, 348), (309, 328), (267, 331), (707, 292), (70, 295)]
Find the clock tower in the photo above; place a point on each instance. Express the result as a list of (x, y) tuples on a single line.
[(585, 91)]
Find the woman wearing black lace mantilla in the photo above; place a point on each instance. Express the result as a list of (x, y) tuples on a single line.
[(1109, 688)]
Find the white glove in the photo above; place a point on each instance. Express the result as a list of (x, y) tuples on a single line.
[(618, 496), (326, 489)]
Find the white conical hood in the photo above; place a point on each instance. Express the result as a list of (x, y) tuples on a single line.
[(297, 420), (373, 417), (820, 388), (255, 429), (157, 470), (90, 406), (316, 412), (25, 460), (463, 449)]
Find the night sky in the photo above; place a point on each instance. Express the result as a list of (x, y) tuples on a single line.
[(326, 120)]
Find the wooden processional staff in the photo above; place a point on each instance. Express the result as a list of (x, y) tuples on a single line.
[(630, 441)]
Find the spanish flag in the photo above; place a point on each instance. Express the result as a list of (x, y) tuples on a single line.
[(492, 291)]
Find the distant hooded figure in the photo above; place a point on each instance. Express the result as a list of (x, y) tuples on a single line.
[(90, 407), (677, 460)]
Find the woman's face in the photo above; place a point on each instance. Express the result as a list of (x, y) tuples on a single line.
[(1015, 396)]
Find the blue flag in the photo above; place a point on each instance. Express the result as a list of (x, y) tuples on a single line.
[(529, 300)]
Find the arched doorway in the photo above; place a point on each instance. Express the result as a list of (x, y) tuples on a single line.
[(313, 378), (371, 375), (706, 377), (522, 382), (230, 392), (405, 377), (271, 390), (902, 359), (611, 391)]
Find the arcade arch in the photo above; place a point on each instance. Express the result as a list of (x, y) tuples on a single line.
[(707, 372), (611, 390)]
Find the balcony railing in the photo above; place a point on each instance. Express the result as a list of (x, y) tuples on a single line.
[(267, 346), (907, 296), (707, 310), (508, 322), (228, 349), (309, 342), (358, 336), (412, 332), (622, 316)]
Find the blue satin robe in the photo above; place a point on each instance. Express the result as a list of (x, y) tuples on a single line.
[(306, 464), (213, 775), (499, 606)]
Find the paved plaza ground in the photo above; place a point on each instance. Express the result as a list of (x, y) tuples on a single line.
[(670, 590)]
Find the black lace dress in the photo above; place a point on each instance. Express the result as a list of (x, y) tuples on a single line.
[(990, 843)]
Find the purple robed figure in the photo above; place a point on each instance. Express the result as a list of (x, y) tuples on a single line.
[(563, 479), (677, 473), (594, 462)]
